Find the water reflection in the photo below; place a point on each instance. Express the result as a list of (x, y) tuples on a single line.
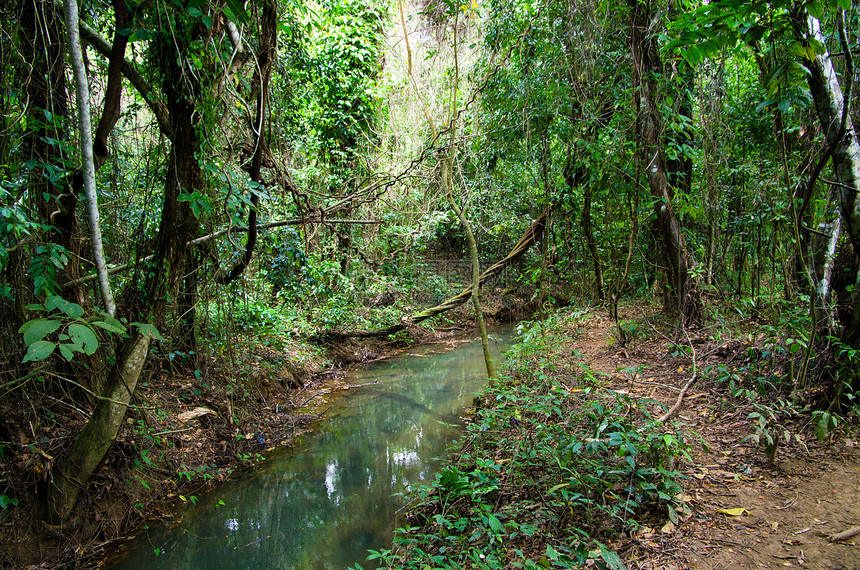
[(328, 500)]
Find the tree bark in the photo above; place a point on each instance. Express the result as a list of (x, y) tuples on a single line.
[(176, 229), (835, 120), (88, 166), (646, 67), (71, 474)]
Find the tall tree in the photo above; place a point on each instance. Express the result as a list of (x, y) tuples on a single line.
[(645, 19)]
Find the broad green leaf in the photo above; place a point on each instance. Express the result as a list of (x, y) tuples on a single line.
[(73, 310), (495, 524), (612, 560), (38, 329), (39, 351), (844, 4), (85, 337), (114, 327), (816, 10), (67, 352), (236, 12)]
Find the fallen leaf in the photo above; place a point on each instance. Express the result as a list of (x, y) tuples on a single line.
[(195, 413), (668, 528), (733, 512)]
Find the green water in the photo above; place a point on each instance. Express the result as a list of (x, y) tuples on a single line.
[(326, 501)]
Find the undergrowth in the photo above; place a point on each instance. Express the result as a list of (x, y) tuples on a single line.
[(550, 470)]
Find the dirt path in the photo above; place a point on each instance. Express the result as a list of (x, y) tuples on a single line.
[(789, 510)]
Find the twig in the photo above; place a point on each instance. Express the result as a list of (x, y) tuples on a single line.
[(362, 385), (845, 534), (674, 409), (306, 401)]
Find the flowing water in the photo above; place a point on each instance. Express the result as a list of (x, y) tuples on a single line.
[(324, 502)]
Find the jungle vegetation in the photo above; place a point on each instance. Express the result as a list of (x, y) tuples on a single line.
[(195, 170)]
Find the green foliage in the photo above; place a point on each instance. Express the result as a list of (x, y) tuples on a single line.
[(542, 467), (46, 261), (346, 65), (69, 330), (6, 501), (770, 428)]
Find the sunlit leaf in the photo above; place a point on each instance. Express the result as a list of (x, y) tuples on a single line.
[(733, 512)]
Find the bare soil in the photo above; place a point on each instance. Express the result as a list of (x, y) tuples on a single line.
[(789, 508)]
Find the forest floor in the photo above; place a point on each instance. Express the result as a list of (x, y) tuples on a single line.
[(190, 428), (742, 510)]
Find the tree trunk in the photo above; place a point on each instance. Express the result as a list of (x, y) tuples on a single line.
[(70, 476), (839, 133), (823, 257), (448, 188), (646, 66), (588, 231), (176, 229), (88, 166)]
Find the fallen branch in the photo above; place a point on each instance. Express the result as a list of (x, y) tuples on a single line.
[(529, 238), (674, 409), (845, 534)]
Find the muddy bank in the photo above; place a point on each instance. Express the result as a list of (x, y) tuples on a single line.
[(189, 429)]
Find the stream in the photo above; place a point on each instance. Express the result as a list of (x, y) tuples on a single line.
[(332, 496)]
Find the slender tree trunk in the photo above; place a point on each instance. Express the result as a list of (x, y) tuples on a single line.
[(476, 264), (176, 229), (88, 167), (823, 257), (588, 231), (447, 184)]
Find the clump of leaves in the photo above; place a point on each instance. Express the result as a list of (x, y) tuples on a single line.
[(65, 327)]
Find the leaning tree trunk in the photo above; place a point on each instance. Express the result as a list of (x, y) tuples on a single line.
[(88, 450), (835, 120), (646, 66), (176, 229), (529, 238)]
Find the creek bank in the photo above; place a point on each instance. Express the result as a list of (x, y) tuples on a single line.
[(188, 430), (565, 464)]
